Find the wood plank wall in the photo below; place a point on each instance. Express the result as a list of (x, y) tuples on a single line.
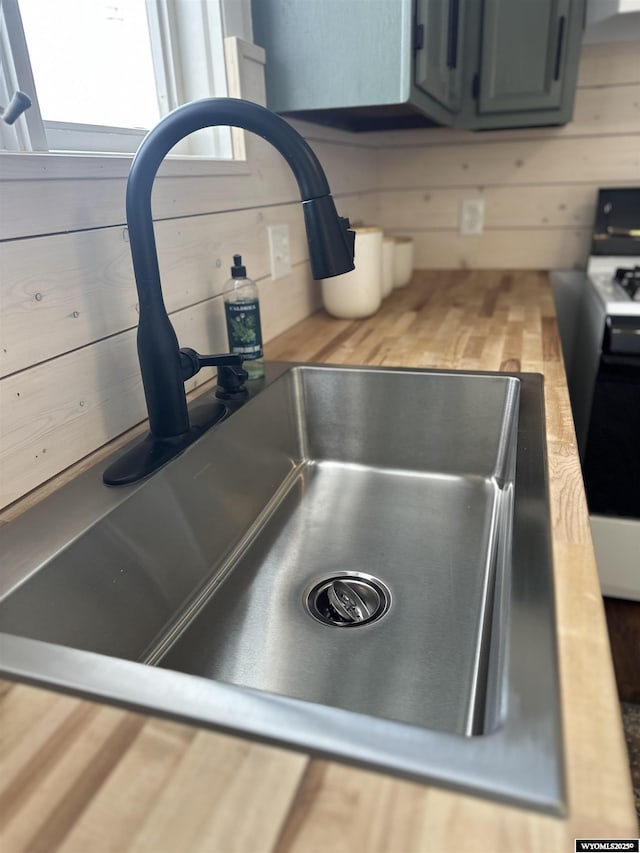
[(69, 375), (68, 304), (539, 184)]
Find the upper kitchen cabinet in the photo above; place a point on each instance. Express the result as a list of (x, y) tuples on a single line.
[(377, 64), (350, 63), (524, 63)]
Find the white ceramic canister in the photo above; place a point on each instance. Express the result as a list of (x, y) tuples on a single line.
[(388, 253), (402, 261), (357, 293)]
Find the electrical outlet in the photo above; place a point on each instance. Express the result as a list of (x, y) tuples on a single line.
[(279, 250), (472, 216)]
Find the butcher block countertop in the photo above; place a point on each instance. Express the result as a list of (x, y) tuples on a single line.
[(90, 778)]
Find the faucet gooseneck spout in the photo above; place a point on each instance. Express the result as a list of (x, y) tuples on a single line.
[(163, 365)]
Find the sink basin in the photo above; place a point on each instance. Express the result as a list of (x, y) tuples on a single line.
[(355, 563)]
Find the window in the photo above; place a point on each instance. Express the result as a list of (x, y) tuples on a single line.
[(100, 73)]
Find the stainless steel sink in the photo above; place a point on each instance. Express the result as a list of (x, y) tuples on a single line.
[(356, 563)]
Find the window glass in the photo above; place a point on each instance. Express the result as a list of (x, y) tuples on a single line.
[(91, 61)]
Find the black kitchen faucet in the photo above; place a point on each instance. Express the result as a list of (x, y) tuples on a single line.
[(163, 365)]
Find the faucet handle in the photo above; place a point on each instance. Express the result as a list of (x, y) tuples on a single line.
[(191, 361), (231, 379)]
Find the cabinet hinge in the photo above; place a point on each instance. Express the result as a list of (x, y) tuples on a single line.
[(418, 39), (475, 86)]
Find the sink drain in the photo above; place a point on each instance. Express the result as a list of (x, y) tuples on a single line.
[(348, 600)]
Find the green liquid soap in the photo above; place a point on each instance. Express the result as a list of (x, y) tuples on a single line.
[(242, 312)]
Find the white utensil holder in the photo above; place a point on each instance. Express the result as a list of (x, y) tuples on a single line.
[(358, 293), (388, 259), (402, 261)]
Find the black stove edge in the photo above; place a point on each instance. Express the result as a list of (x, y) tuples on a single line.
[(617, 208)]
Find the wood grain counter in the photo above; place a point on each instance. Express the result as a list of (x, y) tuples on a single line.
[(78, 776)]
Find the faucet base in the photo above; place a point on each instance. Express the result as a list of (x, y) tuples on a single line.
[(146, 456)]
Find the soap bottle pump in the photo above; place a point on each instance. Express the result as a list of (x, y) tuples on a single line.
[(242, 312)]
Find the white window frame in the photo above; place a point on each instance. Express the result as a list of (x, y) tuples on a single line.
[(24, 145), (188, 64), (27, 133)]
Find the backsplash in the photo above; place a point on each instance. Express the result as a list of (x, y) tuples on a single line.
[(70, 378), (539, 184), (68, 303)]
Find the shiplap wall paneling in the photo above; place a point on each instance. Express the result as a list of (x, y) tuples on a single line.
[(564, 206), (57, 407), (609, 64), (412, 181), (520, 163), (67, 295), (59, 411), (524, 249), (50, 205), (65, 291), (539, 185)]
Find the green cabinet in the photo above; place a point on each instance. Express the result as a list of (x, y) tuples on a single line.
[(378, 64), (346, 63), (522, 62), (522, 52)]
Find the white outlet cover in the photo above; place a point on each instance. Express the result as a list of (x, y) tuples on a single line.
[(472, 216), (279, 250)]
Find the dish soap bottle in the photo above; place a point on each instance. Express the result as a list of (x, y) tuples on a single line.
[(242, 310)]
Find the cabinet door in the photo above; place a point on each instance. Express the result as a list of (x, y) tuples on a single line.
[(522, 55), (438, 50)]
